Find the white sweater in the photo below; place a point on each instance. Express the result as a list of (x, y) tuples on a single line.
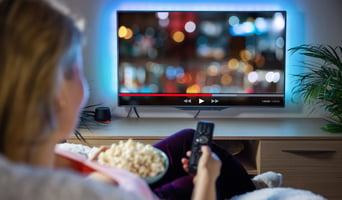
[(32, 183)]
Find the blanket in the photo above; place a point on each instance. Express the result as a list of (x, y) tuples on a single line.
[(279, 193)]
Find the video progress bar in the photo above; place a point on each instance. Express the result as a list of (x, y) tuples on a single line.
[(162, 95)]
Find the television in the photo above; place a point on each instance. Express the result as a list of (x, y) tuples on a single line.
[(201, 59)]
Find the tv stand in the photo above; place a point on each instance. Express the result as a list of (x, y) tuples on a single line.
[(135, 111), (197, 113)]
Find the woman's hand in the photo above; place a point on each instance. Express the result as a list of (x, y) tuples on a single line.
[(185, 162), (208, 169), (210, 161), (209, 164)]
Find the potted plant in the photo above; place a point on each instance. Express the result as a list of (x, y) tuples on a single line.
[(321, 83)]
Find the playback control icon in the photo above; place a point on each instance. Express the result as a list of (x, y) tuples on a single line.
[(190, 101), (187, 101), (214, 101)]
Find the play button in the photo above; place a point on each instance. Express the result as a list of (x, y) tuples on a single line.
[(200, 101)]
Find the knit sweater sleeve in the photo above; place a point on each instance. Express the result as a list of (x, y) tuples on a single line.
[(29, 183)]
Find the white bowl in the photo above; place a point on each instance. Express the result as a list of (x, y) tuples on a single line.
[(153, 179)]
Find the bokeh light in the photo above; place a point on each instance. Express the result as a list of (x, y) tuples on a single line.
[(190, 27), (125, 32), (193, 89), (278, 22), (233, 64), (162, 15), (178, 36), (252, 77), (233, 20)]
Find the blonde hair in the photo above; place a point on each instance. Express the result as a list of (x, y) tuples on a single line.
[(38, 47)]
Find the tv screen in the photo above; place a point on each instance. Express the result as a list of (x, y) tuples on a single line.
[(201, 58)]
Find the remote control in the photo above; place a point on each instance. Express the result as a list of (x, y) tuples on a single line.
[(203, 136)]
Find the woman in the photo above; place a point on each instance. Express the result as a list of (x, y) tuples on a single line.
[(42, 90)]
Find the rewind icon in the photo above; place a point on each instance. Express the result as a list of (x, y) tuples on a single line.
[(187, 101)]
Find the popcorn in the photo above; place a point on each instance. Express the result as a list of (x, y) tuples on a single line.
[(143, 160)]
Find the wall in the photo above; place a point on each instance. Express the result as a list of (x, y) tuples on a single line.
[(309, 21)]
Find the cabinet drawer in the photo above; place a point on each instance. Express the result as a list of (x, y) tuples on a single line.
[(313, 165)]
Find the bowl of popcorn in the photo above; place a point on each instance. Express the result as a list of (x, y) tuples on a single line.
[(144, 160)]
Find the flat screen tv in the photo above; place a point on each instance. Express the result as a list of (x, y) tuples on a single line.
[(202, 59)]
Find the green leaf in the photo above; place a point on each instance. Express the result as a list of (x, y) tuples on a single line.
[(321, 83), (332, 128)]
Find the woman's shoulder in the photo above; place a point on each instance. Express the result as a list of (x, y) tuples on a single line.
[(18, 181)]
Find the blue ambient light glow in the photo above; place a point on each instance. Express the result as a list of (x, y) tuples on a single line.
[(108, 34)]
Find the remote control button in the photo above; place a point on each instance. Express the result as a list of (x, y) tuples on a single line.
[(203, 140)]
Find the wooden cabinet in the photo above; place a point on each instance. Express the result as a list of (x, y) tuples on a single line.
[(96, 142), (314, 165), (308, 157)]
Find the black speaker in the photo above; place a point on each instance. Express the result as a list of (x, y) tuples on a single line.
[(102, 114)]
